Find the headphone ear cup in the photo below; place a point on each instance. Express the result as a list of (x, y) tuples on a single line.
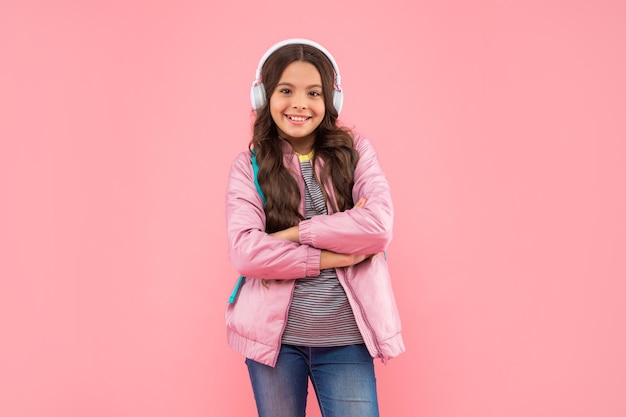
[(338, 100), (257, 96)]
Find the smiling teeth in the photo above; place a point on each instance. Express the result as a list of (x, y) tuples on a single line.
[(297, 119)]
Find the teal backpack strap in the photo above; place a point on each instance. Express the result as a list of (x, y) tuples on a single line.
[(255, 171), (235, 292)]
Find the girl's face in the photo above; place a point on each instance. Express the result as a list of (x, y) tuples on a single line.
[(297, 105)]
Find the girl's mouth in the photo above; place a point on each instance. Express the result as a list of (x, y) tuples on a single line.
[(294, 118)]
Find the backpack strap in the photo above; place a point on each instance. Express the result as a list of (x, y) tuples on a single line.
[(235, 292), (255, 171)]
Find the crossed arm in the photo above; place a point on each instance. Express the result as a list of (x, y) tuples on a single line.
[(336, 240), (328, 259)]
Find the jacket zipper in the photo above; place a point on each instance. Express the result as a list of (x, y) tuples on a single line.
[(364, 317), (282, 331), (362, 310)]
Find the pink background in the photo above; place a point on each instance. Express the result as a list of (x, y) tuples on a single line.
[(501, 126)]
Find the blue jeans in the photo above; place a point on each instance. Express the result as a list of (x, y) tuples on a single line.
[(342, 377)]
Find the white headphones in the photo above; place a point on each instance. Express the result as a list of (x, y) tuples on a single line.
[(258, 96)]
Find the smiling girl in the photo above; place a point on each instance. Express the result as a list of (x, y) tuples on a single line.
[(309, 216)]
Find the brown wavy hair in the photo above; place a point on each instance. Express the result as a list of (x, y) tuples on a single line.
[(333, 144)]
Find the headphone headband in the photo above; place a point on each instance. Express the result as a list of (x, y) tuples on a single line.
[(298, 41), (258, 95)]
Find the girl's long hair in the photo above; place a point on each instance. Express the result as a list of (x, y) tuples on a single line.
[(333, 144)]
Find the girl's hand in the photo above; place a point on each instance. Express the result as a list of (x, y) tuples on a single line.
[(360, 203), (357, 259), (291, 234), (330, 259)]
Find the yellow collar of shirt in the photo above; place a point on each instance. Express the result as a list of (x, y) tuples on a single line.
[(305, 158)]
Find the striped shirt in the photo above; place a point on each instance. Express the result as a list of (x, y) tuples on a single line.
[(320, 314)]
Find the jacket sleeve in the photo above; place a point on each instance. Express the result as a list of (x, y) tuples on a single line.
[(365, 230), (252, 252)]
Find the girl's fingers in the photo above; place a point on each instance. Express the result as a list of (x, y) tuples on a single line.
[(360, 203)]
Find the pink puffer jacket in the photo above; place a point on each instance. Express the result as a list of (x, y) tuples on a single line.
[(256, 320)]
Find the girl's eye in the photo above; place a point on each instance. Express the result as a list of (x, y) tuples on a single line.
[(315, 93), (285, 90)]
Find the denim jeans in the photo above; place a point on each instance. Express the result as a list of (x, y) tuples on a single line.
[(342, 377)]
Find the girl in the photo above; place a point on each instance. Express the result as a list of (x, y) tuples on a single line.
[(309, 217)]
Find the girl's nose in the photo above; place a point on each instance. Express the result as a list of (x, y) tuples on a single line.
[(298, 101)]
